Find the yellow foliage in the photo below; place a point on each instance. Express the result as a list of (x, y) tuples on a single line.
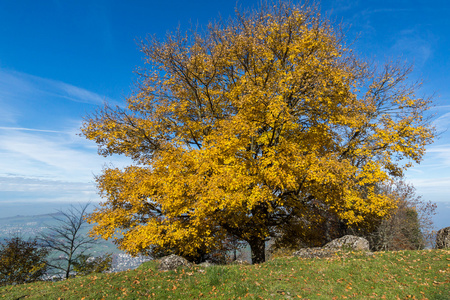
[(240, 129)]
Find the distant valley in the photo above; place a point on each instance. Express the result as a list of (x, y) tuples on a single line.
[(31, 226)]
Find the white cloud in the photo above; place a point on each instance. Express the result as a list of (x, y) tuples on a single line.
[(74, 93), (56, 156), (37, 166), (442, 123), (19, 85), (7, 114), (432, 183), (30, 129), (418, 48), (41, 156), (440, 154), (35, 186), (434, 189)]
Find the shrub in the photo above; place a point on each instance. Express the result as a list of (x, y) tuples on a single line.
[(85, 264), (21, 261), (408, 227)]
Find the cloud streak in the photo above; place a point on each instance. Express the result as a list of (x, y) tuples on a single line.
[(41, 157), (18, 85), (29, 129), (18, 189), (42, 166), (51, 155)]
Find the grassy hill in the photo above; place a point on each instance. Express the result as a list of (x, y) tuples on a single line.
[(385, 275)]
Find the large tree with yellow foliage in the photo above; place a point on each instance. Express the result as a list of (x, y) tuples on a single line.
[(248, 125)]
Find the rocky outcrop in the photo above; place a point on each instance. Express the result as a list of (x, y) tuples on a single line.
[(349, 242), (172, 262), (443, 238), (345, 243)]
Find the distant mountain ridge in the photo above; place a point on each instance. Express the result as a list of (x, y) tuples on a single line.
[(30, 216)]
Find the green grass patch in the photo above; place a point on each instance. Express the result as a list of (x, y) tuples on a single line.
[(385, 275)]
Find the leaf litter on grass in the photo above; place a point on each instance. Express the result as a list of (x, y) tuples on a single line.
[(392, 275)]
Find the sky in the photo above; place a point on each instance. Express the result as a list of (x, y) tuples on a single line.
[(59, 60)]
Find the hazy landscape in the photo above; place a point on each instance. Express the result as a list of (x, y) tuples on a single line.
[(33, 225), (20, 216)]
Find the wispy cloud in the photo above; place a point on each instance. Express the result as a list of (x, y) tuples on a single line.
[(74, 93), (339, 6), (442, 122), (432, 183), (19, 189), (29, 129), (41, 166), (41, 156), (18, 85), (441, 154), (435, 189), (50, 155), (411, 44)]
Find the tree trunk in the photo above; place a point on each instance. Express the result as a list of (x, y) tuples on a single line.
[(68, 271), (69, 264), (258, 248)]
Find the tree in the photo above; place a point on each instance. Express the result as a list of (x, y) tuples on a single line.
[(251, 124), (227, 252), (410, 225), (85, 264), (66, 240), (21, 261)]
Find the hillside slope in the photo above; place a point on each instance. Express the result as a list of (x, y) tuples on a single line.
[(385, 275)]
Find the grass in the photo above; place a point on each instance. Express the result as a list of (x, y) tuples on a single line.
[(385, 275)]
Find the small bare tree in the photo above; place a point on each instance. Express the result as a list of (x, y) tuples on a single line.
[(67, 240)]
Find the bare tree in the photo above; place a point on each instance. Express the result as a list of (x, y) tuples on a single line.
[(66, 240)]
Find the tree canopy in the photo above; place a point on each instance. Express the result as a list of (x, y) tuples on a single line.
[(241, 128)]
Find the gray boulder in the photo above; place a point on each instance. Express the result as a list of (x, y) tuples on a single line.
[(240, 262), (443, 238), (172, 262), (349, 242), (316, 252)]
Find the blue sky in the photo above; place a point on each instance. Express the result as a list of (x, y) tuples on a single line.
[(60, 59)]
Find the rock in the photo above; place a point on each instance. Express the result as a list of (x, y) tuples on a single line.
[(172, 262), (240, 262), (315, 252), (349, 242), (206, 264), (443, 238), (369, 254)]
